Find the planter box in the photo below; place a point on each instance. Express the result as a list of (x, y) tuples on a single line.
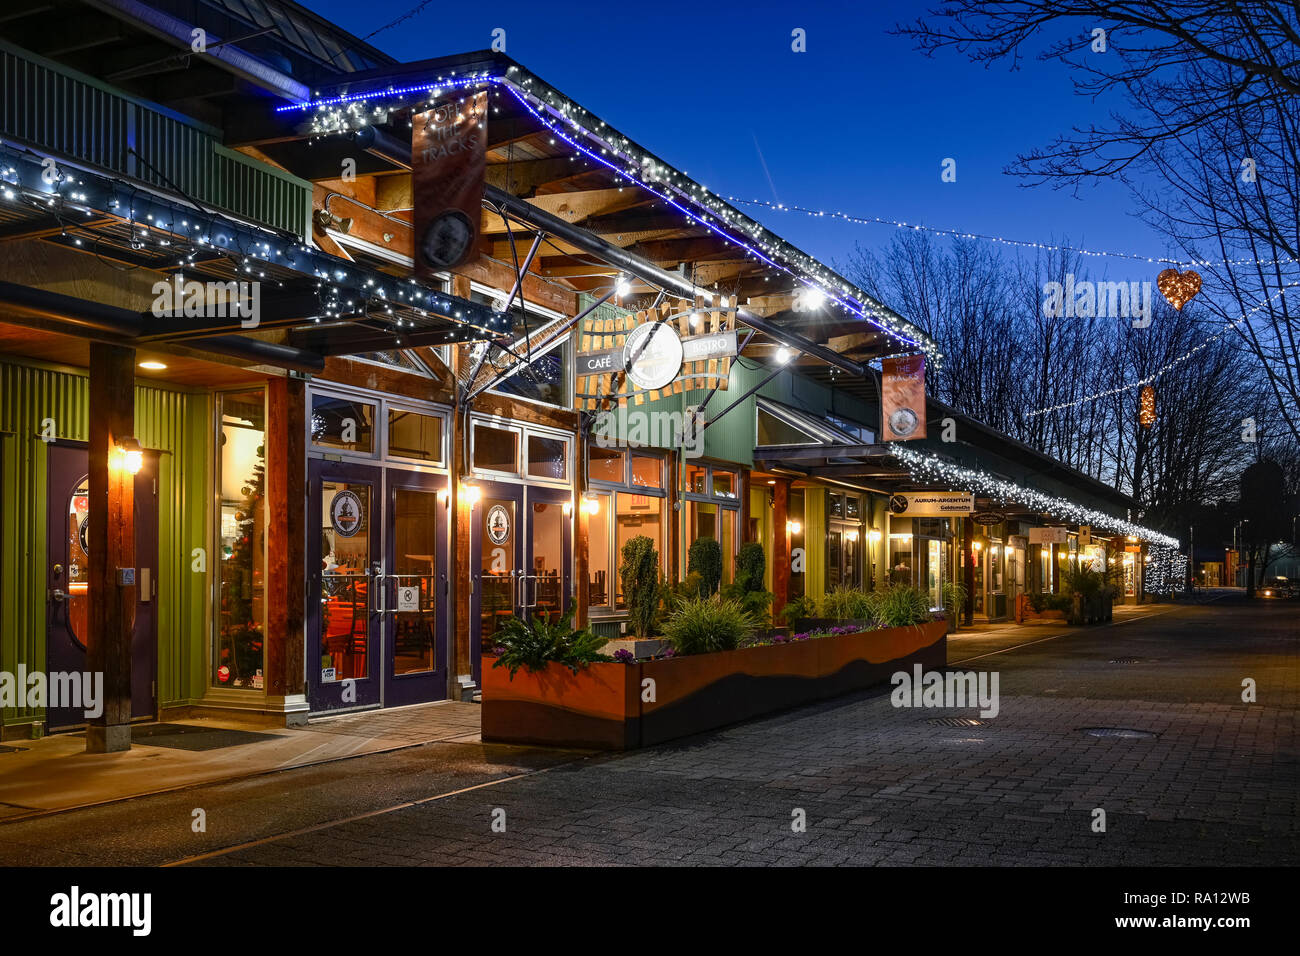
[(601, 707)]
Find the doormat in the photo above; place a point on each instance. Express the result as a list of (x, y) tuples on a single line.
[(189, 737)]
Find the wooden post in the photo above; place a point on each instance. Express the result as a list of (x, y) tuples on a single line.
[(780, 545), (581, 524), (676, 515), (286, 548), (746, 536), (112, 544), (968, 531)]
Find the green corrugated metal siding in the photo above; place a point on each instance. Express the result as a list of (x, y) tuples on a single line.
[(175, 423), (58, 110)]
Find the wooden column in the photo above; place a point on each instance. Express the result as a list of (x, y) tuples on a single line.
[(462, 522), (675, 517), (286, 548), (780, 545), (968, 533), (581, 523), (112, 544), (746, 508)]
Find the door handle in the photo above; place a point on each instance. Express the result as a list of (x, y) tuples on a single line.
[(58, 595)]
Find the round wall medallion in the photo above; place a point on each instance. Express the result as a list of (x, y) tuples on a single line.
[(652, 355)]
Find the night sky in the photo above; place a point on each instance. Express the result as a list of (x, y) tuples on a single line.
[(860, 123)]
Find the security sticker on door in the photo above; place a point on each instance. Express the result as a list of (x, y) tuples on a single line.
[(408, 599)]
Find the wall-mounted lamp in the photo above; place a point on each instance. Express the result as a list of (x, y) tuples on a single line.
[(591, 504), (874, 536), (794, 527), (976, 545), (130, 455), (471, 493), (327, 220)]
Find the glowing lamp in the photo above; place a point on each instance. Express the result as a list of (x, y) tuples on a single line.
[(130, 455), (591, 504), (472, 494), (794, 527)]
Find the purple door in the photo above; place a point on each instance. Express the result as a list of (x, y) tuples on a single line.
[(67, 575)]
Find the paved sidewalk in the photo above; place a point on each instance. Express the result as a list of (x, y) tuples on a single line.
[(55, 773), (973, 642)]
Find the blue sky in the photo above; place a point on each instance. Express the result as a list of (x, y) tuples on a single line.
[(859, 123)]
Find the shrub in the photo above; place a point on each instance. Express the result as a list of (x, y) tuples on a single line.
[(1084, 581), (705, 559), (799, 609), (844, 603), (954, 598), (900, 606), (639, 574), (703, 624), (534, 644), (748, 588)]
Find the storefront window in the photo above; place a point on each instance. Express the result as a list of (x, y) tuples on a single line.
[(798, 556), (343, 423), (637, 515), (604, 464), (724, 484), (599, 553), (900, 559), (934, 571), (997, 558), (696, 476), (237, 660), (647, 471), (412, 435), (548, 457), (496, 449)]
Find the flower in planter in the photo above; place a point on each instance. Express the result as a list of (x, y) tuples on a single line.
[(624, 656), (669, 652), (498, 650)]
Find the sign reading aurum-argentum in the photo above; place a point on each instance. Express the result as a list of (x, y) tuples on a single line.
[(931, 504)]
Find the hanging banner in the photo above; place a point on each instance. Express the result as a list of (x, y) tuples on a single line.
[(903, 395), (448, 162), (1048, 535)]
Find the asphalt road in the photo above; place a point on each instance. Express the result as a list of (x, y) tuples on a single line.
[(1218, 784)]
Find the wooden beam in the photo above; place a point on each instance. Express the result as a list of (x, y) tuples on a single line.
[(112, 544), (286, 511), (780, 545), (523, 177)]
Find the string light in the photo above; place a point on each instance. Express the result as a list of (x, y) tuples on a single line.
[(931, 469), (1147, 407), (1171, 364), (1002, 240), (1165, 571)]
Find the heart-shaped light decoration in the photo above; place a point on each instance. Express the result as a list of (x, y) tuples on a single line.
[(1178, 288)]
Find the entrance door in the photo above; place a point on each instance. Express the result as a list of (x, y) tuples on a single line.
[(345, 571), (68, 531), (520, 553), (415, 589)]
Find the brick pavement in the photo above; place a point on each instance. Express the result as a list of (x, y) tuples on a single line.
[(1219, 785)]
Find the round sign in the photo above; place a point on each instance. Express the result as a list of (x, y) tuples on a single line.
[(346, 513), (652, 355), (498, 524), (898, 504), (447, 239), (903, 422), (83, 534)]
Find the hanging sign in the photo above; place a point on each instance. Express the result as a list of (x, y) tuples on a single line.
[(1048, 535), (448, 164), (903, 397), (1085, 535), (346, 513), (497, 524), (932, 504), (652, 355), (988, 518)]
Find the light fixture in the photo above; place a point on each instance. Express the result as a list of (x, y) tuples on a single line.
[(976, 545), (851, 536), (623, 286), (130, 455), (874, 536), (771, 481), (153, 366), (782, 355), (471, 493), (591, 504), (695, 319), (794, 527)]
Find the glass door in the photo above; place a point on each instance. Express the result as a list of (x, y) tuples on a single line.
[(415, 589), (496, 560), (545, 589), (346, 574)]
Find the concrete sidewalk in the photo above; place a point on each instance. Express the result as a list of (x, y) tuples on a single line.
[(55, 773)]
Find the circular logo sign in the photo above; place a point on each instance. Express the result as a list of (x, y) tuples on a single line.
[(903, 422), (652, 355), (447, 239), (83, 534), (898, 504), (345, 513), (498, 524)]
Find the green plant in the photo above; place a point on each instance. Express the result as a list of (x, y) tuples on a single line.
[(534, 644), (844, 603), (703, 624), (705, 559), (954, 598), (639, 574), (900, 605), (1083, 580), (747, 588), (801, 608)]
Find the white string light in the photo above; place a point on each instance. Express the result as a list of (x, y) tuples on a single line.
[(1002, 240), (1171, 363), (931, 469)]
